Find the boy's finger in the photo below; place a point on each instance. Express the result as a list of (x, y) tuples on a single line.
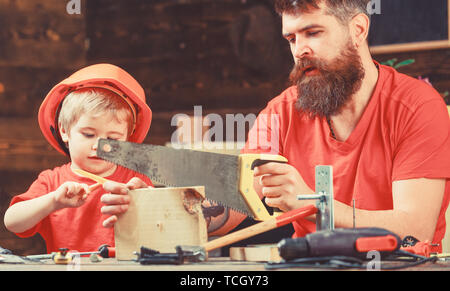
[(70, 191)]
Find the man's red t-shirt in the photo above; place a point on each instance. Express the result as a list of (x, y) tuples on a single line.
[(402, 134), (78, 229)]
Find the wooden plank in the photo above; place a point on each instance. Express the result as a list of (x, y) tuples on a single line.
[(161, 219), (255, 253), (213, 264), (408, 47)]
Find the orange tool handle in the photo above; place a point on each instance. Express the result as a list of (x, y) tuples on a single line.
[(106, 251), (295, 214), (376, 243), (420, 248), (260, 227)]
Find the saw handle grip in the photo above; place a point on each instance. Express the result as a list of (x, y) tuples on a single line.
[(259, 162)]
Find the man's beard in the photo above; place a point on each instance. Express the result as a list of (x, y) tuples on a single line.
[(325, 93)]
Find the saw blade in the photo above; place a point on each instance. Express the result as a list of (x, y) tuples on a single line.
[(218, 173)]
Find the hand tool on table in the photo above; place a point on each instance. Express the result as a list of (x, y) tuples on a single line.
[(61, 257), (104, 251), (351, 242), (228, 179), (414, 246), (148, 256), (348, 248), (420, 248)]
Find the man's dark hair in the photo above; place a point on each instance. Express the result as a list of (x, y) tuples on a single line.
[(343, 10)]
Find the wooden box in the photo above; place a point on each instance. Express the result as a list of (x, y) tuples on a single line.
[(161, 219)]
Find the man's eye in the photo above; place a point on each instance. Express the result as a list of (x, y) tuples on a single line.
[(313, 33)]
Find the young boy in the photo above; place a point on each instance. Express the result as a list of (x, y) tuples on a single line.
[(99, 101)]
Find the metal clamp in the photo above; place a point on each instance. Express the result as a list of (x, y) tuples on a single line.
[(324, 197)]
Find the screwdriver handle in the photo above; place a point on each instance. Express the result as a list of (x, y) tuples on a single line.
[(106, 251)]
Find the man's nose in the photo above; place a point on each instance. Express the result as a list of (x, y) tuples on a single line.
[(301, 50)]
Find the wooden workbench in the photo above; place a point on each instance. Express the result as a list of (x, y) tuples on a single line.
[(216, 273), (213, 264)]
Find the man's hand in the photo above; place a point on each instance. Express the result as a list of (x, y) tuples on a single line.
[(280, 184), (117, 199)]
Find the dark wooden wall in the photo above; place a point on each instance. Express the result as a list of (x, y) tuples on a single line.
[(225, 55)]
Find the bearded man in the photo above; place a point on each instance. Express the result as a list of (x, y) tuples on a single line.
[(385, 134)]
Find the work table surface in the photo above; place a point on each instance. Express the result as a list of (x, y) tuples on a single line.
[(213, 264)]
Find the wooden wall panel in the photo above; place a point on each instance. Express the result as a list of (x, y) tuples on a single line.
[(41, 34), (210, 53), (13, 183), (24, 88)]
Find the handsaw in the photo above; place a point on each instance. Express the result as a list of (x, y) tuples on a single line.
[(228, 179)]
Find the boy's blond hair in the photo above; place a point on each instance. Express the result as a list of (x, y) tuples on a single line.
[(95, 101)]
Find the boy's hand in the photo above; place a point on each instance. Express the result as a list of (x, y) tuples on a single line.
[(117, 200), (71, 194)]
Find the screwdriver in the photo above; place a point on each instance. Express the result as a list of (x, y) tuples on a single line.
[(104, 251)]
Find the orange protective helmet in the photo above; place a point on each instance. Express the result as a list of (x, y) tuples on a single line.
[(104, 76)]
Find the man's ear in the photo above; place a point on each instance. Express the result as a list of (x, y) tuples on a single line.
[(63, 133), (359, 29)]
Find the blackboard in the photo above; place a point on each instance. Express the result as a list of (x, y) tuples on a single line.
[(402, 25)]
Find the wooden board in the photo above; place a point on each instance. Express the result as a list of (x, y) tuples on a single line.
[(161, 219), (255, 253), (219, 264)]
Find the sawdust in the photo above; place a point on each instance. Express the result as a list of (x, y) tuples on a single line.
[(192, 201)]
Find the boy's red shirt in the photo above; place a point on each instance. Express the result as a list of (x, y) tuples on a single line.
[(78, 229)]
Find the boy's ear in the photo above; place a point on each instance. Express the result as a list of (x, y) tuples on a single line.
[(63, 133)]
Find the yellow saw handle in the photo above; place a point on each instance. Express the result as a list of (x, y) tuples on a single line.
[(247, 162)]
